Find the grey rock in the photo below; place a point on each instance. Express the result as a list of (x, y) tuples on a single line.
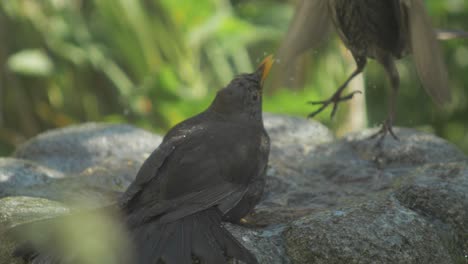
[(292, 140), (16, 174), (374, 232), (90, 162), (20, 209), (298, 134), (413, 148), (352, 169), (97, 185), (267, 244), (73, 149), (442, 197)]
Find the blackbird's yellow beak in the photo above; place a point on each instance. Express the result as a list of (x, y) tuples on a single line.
[(265, 67)]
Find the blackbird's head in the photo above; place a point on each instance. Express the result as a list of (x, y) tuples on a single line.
[(242, 97)]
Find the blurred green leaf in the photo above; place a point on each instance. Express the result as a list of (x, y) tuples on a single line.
[(31, 62)]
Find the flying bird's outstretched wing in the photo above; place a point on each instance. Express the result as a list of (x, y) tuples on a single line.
[(308, 29), (427, 55)]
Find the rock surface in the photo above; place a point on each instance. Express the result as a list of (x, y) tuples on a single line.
[(75, 149), (326, 200)]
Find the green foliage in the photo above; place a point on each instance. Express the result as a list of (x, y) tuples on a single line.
[(154, 63)]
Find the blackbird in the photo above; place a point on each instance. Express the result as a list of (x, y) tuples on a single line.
[(208, 167), (384, 30)]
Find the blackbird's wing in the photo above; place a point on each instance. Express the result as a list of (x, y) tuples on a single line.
[(149, 169), (207, 169), (426, 52), (307, 30), (166, 211), (151, 166)]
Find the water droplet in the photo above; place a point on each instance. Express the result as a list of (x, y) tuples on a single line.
[(246, 239), (339, 213)]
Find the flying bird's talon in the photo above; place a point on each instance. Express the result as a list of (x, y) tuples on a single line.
[(393, 134), (335, 100), (335, 107), (350, 96), (387, 128), (319, 102), (316, 112)]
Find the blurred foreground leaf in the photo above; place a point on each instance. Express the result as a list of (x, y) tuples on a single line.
[(30, 62)]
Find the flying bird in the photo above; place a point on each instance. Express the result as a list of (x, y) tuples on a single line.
[(384, 30)]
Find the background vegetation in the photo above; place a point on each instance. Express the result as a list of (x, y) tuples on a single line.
[(153, 63)]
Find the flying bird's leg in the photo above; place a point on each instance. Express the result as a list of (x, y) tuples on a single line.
[(336, 97), (392, 72)]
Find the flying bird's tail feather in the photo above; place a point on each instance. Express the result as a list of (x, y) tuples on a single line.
[(200, 235)]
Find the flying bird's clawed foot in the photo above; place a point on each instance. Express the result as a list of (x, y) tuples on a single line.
[(387, 128), (335, 99)]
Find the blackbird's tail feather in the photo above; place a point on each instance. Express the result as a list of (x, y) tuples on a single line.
[(200, 235)]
